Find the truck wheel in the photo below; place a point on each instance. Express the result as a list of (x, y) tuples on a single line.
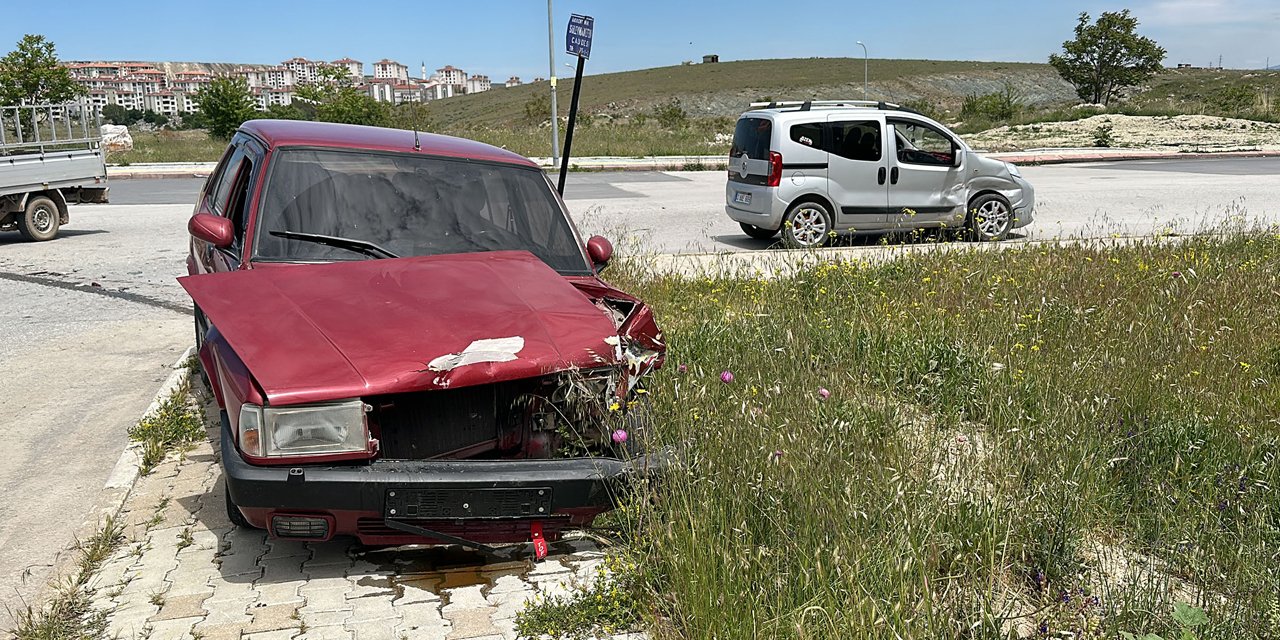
[(757, 232), (39, 221), (233, 512)]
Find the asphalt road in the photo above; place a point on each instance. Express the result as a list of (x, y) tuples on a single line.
[(91, 320)]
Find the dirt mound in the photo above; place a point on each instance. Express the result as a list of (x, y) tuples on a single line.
[(1183, 133)]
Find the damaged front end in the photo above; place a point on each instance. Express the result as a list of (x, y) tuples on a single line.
[(510, 430)]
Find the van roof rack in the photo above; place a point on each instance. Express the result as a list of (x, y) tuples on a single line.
[(807, 105)]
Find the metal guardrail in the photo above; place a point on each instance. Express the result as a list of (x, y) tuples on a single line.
[(45, 127)]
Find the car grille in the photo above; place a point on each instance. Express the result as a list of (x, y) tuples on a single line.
[(434, 424)]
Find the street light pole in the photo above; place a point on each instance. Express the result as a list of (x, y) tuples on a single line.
[(551, 56), (865, 66)]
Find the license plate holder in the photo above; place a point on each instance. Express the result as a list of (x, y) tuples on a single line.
[(462, 504), (741, 197)]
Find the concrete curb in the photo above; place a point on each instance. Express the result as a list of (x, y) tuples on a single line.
[(717, 163), (118, 486)]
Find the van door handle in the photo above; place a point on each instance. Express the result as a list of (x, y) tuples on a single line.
[(881, 175), (893, 176)]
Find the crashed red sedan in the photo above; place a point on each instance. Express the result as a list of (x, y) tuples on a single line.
[(409, 341)]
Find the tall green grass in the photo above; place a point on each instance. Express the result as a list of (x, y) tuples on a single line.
[(1047, 440)]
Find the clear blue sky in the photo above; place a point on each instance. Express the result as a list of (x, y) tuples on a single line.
[(509, 37)]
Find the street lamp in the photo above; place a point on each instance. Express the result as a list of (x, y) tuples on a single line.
[(551, 53), (865, 66)]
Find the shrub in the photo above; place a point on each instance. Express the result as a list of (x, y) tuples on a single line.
[(671, 115), (1001, 106)]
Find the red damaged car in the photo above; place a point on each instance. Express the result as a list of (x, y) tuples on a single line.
[(409, 341)]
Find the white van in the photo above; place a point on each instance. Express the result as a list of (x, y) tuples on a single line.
[(813, 169)]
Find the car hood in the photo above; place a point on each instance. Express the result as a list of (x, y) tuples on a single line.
[(314, 332)]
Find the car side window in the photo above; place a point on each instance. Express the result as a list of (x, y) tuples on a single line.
[(237, 207), (808, 134), (919, 143), (855, 140), (221, 192)]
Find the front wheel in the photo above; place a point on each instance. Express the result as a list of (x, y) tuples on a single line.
[(39, 221), (807, 225), (757, 232), (990, 218), (233, 512)]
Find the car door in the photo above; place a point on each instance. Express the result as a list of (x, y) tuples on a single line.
[(857, 170), (926, 187)]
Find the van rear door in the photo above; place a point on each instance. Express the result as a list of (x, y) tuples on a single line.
[(749, 165), (857, 170)]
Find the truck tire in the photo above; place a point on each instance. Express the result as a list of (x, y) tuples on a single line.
[(39, 221)]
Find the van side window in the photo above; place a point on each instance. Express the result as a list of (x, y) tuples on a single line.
[(921, 144), (858, 140), (808, 134)]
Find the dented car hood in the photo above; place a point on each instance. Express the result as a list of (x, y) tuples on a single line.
[(315, 332)]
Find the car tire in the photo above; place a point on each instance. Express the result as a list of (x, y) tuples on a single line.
[(807, 225), (234, 515), (39, 221), (757, 232), (990, 218)]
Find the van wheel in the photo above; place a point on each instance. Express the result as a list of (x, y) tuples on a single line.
[(757, 232), (39, 221), (807, 225), (990, 218)]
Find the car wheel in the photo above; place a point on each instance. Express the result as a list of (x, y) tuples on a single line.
[(39, 221), (990, 218), (806, 226), (757, 232), (234, 515)]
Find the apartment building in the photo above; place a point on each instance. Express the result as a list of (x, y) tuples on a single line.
[(304, 70), (513, 81), (450, 74), (385, 69), (478, 84), (354, 67)]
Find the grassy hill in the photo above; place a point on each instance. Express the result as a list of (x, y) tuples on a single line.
[(726, 88)]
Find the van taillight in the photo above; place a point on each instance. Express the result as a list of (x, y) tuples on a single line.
[(775, 169)]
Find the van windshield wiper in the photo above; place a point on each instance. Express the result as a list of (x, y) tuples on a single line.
[(351, 244)]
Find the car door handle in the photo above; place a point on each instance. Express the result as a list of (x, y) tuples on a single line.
[(881, 176), (893, 176)]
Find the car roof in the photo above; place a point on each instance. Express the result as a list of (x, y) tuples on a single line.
[(301, 133)]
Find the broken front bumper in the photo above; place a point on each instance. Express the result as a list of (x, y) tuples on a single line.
[(480, 501)]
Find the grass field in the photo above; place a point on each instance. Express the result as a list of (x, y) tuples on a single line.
[(170, 146), (1045, 441)]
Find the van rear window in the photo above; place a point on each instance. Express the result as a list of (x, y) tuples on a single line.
[(752, 137)]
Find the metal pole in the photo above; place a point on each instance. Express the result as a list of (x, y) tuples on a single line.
[(573, 117), (865, 67), (551, 57)]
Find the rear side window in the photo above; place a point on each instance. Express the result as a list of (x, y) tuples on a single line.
[(808, 134), (855, 140)]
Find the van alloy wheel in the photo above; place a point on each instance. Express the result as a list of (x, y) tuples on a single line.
[(990, 218), (808, 225)]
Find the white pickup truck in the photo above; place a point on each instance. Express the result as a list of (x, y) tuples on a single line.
[(50, 155)]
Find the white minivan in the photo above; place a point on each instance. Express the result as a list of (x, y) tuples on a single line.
[(813, 169)]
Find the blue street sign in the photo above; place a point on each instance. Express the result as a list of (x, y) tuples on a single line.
[(577, 39)]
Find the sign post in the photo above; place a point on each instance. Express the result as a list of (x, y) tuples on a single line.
[(577, 41)]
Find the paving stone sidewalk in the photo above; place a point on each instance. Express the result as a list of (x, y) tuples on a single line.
[(187, 572)]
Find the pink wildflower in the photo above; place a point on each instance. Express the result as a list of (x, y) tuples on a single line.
[(619, 436), (823, 393), (726, 377)]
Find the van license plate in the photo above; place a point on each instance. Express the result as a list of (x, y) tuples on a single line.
[(741, 198)]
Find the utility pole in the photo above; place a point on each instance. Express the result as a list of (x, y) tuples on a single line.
[(551, 56), (866, 65)]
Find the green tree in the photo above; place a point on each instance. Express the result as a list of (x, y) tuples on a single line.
[(116, 114), (412, 115), (226, 103), (336, 99), (1107, 56), (30, 74), (286, 112)]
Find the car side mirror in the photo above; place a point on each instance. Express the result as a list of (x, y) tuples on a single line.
[(216, 230), (957, 156), (600, 250)]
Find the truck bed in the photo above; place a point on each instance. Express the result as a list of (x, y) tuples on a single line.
[(52, 170)]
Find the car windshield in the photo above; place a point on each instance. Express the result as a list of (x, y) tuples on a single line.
[(330, 205)]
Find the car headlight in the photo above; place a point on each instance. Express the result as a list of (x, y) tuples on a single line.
[(1013, 170), (304, 430)]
